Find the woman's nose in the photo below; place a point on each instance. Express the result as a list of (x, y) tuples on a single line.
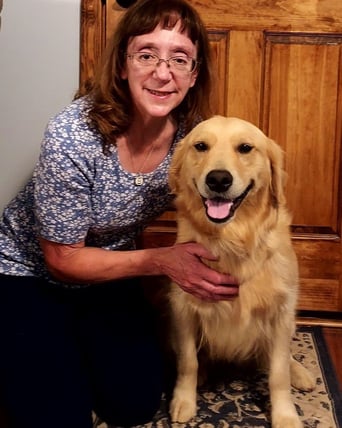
[(163, 71)]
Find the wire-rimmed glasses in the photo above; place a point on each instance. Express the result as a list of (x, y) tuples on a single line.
[(183, 64)]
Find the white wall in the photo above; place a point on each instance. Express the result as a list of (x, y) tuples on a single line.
[(39, 63)]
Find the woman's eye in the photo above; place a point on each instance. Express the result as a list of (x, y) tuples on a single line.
[(145, 57), (179, 61), (244, 148), (201, 146)]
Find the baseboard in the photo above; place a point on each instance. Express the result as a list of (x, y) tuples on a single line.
[(324, 319)]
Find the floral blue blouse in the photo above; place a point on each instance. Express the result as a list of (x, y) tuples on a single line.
[(77, 193)]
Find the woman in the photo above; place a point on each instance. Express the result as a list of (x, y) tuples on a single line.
[(78, 333)]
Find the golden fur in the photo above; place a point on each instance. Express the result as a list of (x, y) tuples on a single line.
[(228, 159)]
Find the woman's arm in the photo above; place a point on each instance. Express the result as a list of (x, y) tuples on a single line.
[(182, 263)]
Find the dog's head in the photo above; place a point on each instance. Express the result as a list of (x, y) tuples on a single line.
[(225, 163)]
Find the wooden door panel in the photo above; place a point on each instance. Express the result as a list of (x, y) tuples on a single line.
[(320, 272), (92, 41), (244, 78), (302, 91), (219, 42)]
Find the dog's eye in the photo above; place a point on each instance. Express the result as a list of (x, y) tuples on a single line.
[(201, 146), (245, 148)]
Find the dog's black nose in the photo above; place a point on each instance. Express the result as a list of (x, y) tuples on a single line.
[(219, 180)]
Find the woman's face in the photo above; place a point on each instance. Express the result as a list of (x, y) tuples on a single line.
[(158, 89)]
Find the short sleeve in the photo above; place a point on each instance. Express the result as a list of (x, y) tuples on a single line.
[(64, 175)]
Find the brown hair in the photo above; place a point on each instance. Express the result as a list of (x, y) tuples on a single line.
[(111, 110)]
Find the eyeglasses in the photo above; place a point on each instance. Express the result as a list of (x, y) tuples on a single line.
[(175, 63)]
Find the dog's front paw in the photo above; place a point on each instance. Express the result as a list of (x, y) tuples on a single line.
[(182, 410), (287, 421), (301, 378)]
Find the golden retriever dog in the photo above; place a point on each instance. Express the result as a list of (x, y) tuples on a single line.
[(227, 179)]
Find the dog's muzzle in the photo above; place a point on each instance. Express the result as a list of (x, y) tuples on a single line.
[(220, 209)]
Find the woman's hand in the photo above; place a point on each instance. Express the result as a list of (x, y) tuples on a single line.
[(185, 267)]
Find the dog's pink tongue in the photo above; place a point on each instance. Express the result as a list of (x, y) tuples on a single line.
[(218, 208)]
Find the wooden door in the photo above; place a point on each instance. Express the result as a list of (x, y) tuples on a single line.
[(279, 65)]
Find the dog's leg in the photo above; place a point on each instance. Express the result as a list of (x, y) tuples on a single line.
[(284, 413), (184, 402)]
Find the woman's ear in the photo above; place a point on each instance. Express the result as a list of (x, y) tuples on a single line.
[(193, 78)]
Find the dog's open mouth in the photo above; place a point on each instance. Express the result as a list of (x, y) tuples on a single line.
[(220, 210)]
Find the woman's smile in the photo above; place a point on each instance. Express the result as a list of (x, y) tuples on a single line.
[(160, 94)]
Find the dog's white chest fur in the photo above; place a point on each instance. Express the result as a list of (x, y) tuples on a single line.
[(234, 331)]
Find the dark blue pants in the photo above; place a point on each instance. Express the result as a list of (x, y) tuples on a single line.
[(66, 352)]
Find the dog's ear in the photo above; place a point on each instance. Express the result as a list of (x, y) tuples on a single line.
[(278, 174), (175, 167)]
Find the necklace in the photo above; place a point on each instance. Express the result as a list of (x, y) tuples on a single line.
[(139, 179)]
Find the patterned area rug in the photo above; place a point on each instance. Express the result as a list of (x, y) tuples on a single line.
[(242, 400)]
